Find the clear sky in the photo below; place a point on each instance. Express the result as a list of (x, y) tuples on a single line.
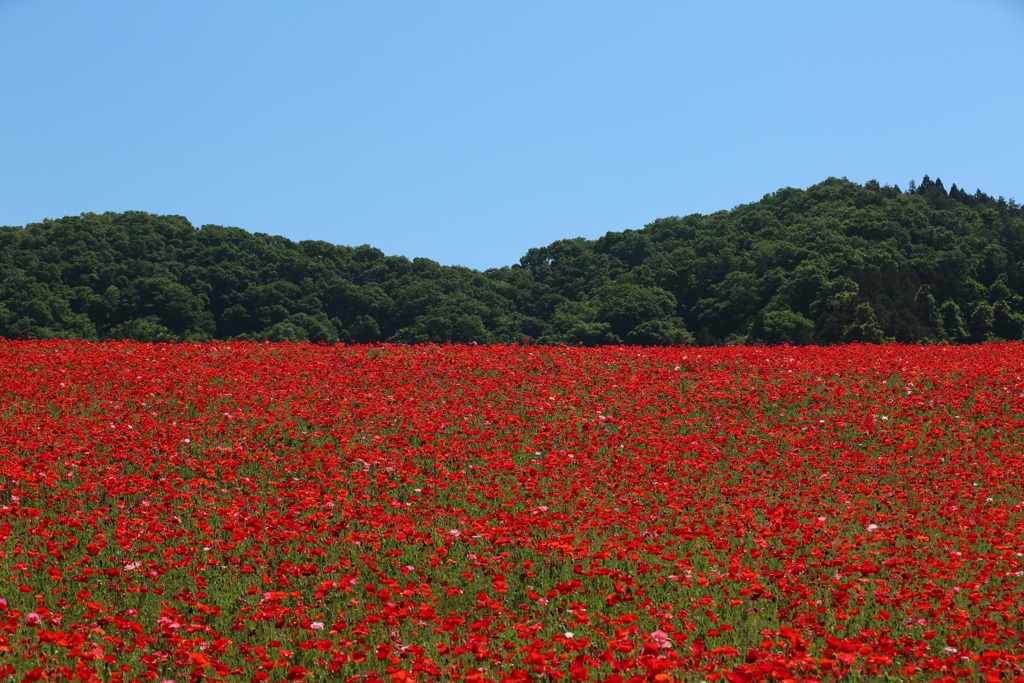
[(468, 131)]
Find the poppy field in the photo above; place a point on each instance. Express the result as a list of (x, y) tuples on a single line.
[(270, 512)]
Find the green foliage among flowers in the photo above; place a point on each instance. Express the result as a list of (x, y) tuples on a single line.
[(265, 512)]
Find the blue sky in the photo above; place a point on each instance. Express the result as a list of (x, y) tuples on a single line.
[(468, 132)]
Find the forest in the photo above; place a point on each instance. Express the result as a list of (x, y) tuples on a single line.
[(837, 262)]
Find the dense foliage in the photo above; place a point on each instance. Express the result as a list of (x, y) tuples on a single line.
[(244, 511), (834, 263)]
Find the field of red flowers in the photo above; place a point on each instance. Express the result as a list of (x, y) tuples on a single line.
[(269, 512)]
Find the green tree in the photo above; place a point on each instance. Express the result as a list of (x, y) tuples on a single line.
[(928, 311), (575, 322), (781, 324), (982, 321), (953, 321), (1006, 322), (148, 329), (865, 326), (660, 332), (624, 307), (798, 265)]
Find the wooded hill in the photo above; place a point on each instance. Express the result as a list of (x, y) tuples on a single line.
[(834, 263)]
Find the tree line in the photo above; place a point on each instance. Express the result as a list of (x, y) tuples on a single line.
[(837, 262)]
